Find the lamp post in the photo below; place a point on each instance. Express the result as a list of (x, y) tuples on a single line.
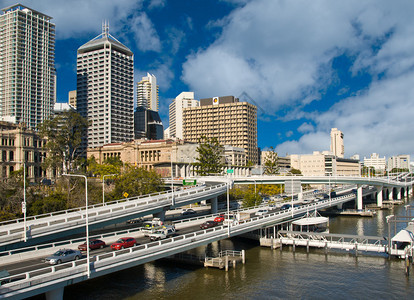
[(228, 209), (24, 202), (103, 186), (86, 212)]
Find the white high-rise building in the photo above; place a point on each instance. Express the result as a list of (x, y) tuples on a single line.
[(183, 100), (337, 143), (376, 162), (27, 65), (105, 87), (147, 92), (398, 162)]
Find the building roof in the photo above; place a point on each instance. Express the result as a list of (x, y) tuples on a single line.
[(100, 41)]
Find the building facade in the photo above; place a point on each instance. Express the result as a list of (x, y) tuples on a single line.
[(72, 98), (337, 143), (147, 92), (398, 162), (324, 164), (105, 79), (27, 66), (21, 146), (376, 162), (225, 118), (182, 101), (147, 124)]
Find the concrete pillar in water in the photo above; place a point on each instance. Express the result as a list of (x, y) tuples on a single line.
[(359, 197), (339, 206), (379, 196), (390, 193), (398, 193), (214, 208), (56, 294)]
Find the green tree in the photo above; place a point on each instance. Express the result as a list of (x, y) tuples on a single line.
[(295, 171), (251, 199), (136, 182), (54, 202), (111, 165), (63, 133), (209, 159), (271, 163)]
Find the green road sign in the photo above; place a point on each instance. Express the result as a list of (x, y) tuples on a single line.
[(189, 182), (230, 171)]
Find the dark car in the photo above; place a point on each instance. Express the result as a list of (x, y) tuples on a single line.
[(208, 224), (93, 244), (188, 211), (125, 242), (63, 255), (285, 206), (219, 219)]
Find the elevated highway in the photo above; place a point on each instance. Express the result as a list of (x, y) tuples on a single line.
[(63, 223), (52, 280)]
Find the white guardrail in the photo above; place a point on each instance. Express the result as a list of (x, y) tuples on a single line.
[(61, 221), (110, 262)]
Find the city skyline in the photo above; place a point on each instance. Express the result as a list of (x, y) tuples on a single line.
[(309, 66)]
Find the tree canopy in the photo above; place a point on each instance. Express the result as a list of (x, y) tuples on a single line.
[(209, 159), (63, 133), (271, 163)]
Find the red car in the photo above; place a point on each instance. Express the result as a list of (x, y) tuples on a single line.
[(93, 244), (219, 219), (208, 224), (124, 242)]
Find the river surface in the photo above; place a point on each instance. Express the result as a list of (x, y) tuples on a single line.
[(267, 274)]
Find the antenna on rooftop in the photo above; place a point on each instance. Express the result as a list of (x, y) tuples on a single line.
[(105, 28)]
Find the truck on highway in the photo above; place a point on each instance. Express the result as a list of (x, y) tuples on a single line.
[(162, 233), (152, 226), (236, 218)]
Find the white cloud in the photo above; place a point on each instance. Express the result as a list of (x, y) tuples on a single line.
[(77, 17), (306, 128), (146, 36), (379, 121), (281, 53)]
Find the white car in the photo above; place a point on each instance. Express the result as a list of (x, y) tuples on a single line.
[(262, 212)]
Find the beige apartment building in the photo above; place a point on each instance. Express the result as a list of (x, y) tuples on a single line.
[(20, 145), (325, 164), (225, 118)]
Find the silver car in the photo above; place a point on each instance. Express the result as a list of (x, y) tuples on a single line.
[(63, 255)]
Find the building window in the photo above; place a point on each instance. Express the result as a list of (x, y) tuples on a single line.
[(11, 155)]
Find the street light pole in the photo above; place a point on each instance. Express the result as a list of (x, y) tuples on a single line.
[(24, 201), (103, 186), (172, 180), (87, 227), (228, 208)]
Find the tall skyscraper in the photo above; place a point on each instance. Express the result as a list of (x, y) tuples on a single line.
[(183, 100), (337, 142), (105, 87), (27, 66), (147, 92), (232, 122)]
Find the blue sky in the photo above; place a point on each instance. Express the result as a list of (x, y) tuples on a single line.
[(309, 65)]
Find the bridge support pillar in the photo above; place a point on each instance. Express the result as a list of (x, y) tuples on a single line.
[(359, 197), (379, 196), (390, 193), (339, 206), (55, 294), (398, 193), (214, 205), (160, 215)]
